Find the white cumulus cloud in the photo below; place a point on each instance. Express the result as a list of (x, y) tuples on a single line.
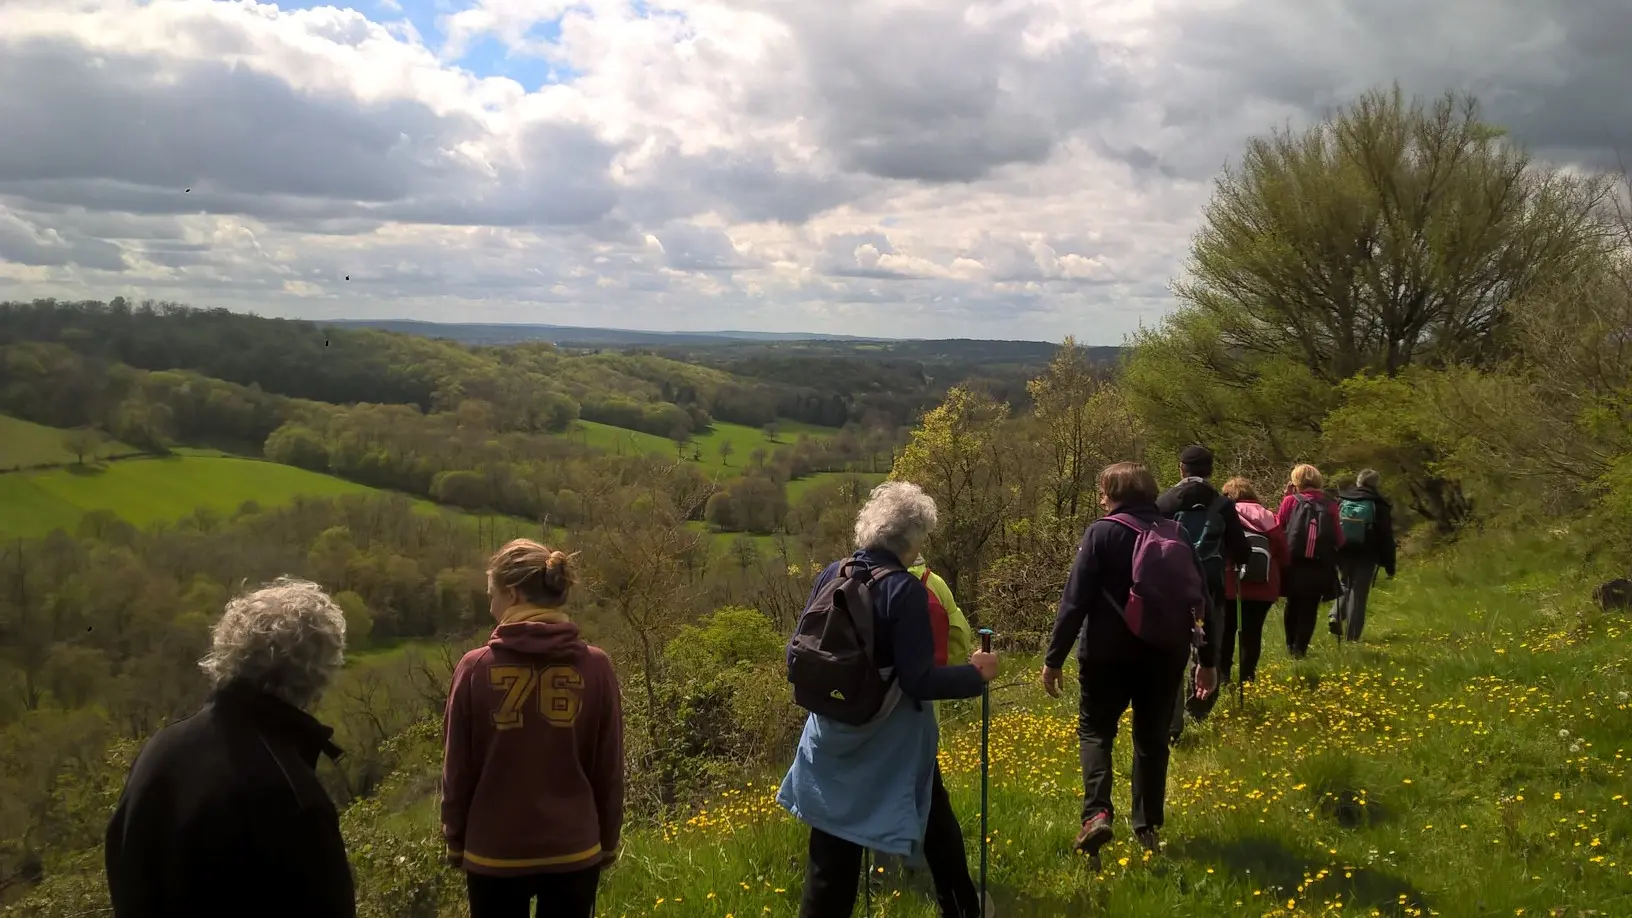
[(1012, 168)]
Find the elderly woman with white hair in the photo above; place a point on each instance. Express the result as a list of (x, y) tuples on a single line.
[(222, 813), (877, 785)]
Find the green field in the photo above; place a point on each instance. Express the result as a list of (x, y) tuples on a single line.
[(24, 444), (619, 441), (767, 546), (791, 431), (743, 440), (146, 491), (799, 487)]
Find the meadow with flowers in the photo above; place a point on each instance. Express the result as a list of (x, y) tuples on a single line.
[(1469, 758)]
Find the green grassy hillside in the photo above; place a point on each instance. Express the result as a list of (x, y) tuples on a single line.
[(707, 448), (743, 441), (1468, 759), (145, 491), (803, 486), (24, 444), (618, 440)]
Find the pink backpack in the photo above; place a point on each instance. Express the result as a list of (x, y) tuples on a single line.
[(1169, 597)]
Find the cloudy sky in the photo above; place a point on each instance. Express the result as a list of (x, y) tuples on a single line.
[(924, 168)]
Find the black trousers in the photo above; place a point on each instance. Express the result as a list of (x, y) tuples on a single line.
[(1253, 613), (1229, 625), (1301, 611), (1151, 686), (834, 866), (560, 895)]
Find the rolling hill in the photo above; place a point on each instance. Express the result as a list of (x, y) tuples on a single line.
[(24, 444), (144, 491)]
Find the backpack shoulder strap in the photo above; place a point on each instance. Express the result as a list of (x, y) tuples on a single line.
[(880, 571), (1217, 506), (1136, 525)]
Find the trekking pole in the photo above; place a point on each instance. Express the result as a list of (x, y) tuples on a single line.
[(867, 882), (985, 763)]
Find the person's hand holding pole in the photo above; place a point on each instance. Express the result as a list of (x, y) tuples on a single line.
[(984, 660)]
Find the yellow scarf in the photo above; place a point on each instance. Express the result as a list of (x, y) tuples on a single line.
[(527, 613)]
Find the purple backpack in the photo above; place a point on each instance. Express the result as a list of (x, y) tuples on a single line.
[(1169, 597)]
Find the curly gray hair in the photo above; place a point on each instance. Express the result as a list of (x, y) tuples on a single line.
[(897, 517), (287, 638)]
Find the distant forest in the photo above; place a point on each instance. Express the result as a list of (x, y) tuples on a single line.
[(877, 373), (666, 385)]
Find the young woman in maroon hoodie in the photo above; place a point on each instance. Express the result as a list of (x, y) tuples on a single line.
[(532, 772)]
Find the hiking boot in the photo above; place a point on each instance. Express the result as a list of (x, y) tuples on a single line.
[(1096, 833), (1148, 839)]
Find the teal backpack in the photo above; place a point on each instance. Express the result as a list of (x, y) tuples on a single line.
[(1357, 518)]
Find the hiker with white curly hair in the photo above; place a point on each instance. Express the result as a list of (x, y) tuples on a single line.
[(863, 662), (222, 812)]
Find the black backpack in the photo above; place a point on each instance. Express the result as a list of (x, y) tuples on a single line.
[(1204, 525), (1257, 568), (1310, 533), (830, 658)]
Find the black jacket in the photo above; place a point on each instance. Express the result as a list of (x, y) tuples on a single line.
[(1380, 545), (1104, 565), (1192, 491), (223, 815)]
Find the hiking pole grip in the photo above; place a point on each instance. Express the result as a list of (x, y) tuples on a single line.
[(985, 640)]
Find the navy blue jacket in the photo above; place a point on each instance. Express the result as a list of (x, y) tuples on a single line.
[(1104, 567), (905, 640)]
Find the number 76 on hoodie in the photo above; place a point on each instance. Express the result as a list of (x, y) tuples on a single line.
[(557, 688)]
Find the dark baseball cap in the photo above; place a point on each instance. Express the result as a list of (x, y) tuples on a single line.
[(1198, 459)]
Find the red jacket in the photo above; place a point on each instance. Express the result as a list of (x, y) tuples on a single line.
[(532, 772), (1330, 506), (1257, 518)]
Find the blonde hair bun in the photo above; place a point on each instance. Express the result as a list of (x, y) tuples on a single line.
[(540, 575), (559, 575)]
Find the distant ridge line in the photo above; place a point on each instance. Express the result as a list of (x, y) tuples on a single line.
[(508, 331)]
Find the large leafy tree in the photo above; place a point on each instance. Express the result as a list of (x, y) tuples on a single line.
[(1397, 232)]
